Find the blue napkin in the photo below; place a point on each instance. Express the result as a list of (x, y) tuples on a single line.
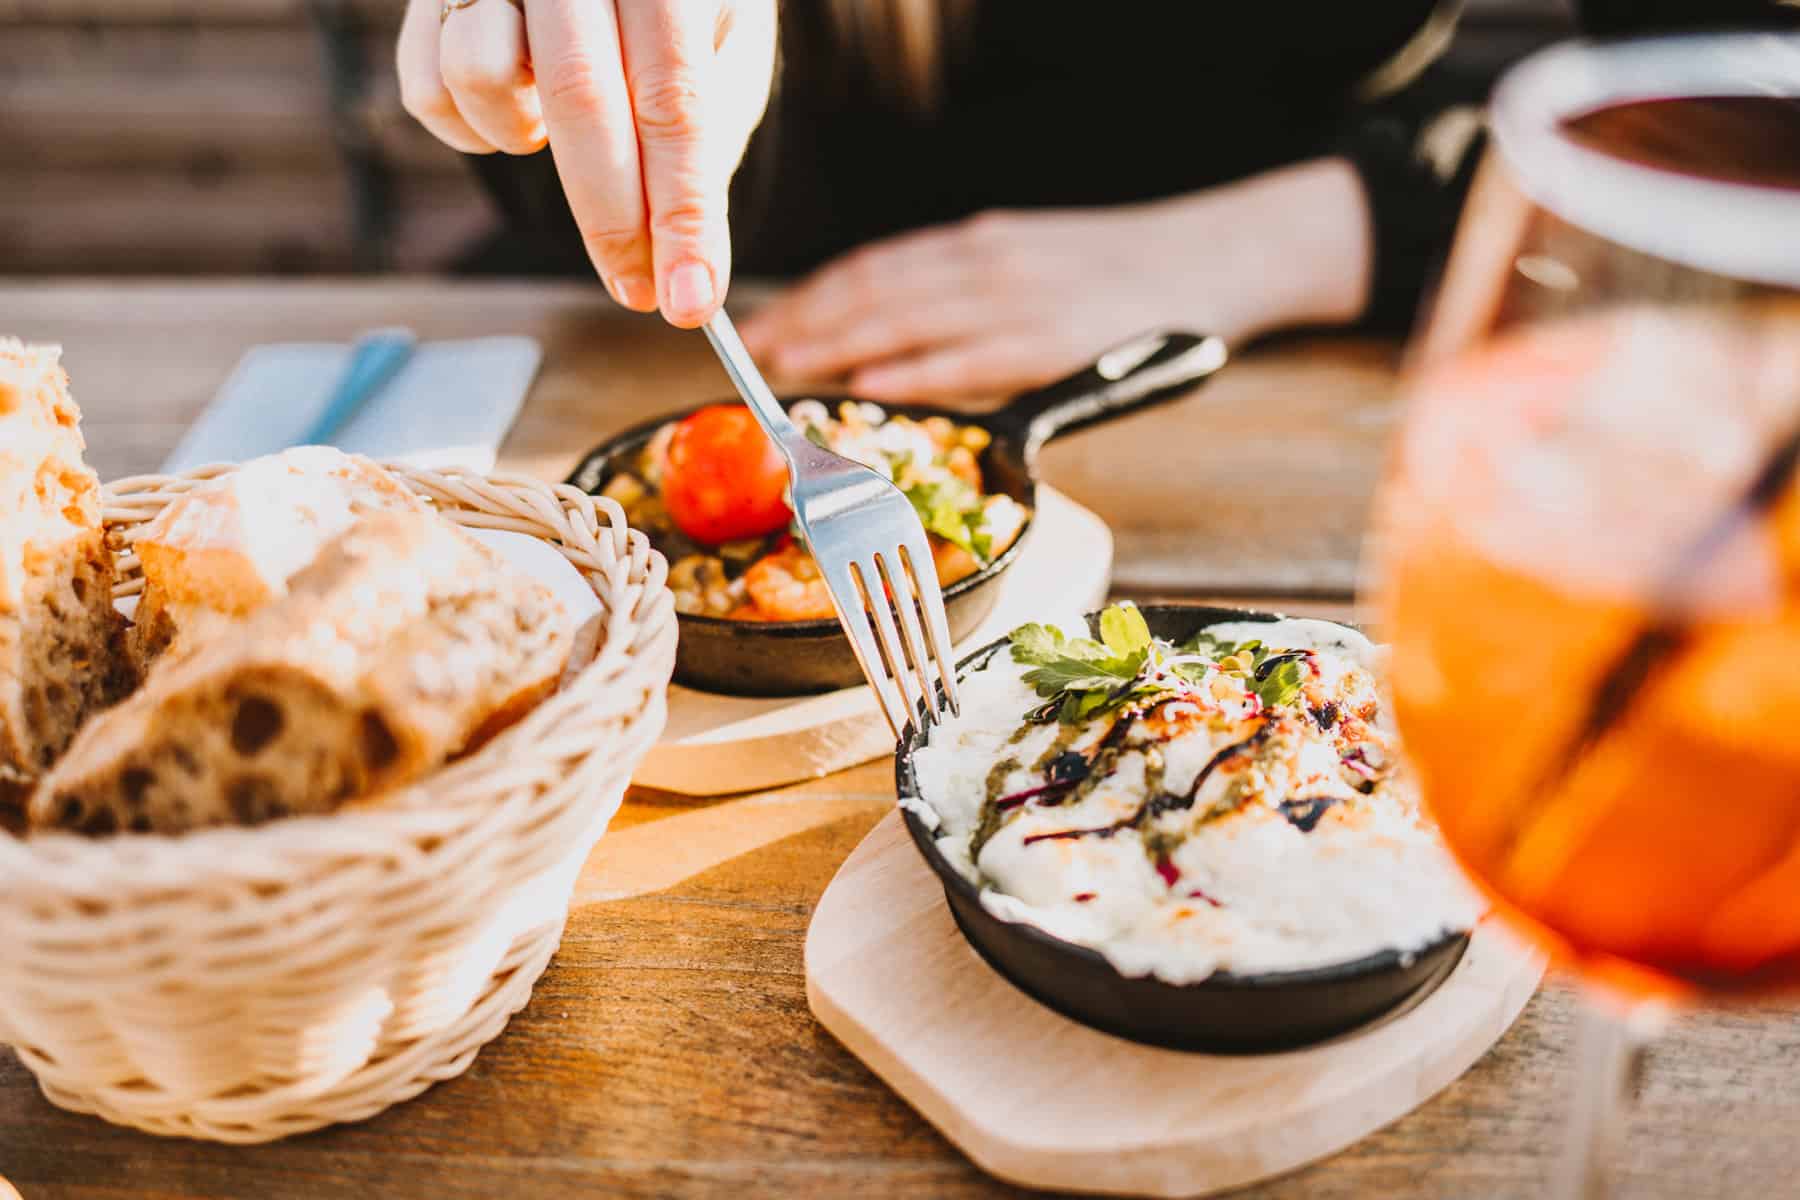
[(451, 405)]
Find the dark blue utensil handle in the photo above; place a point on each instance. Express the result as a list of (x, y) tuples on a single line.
[(375, 359)]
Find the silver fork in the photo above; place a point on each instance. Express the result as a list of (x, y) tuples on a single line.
[(870, 548)]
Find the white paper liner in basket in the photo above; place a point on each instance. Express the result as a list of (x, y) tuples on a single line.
[(247, 984)]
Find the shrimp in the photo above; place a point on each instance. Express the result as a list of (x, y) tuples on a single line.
[(786, 586)]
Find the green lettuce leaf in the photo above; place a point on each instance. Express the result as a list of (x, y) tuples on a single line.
[(952, 509)]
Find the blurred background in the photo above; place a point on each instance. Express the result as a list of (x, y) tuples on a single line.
[(266, 137)]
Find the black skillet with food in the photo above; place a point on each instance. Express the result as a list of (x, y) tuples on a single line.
[(710, 491), (1187, 826)]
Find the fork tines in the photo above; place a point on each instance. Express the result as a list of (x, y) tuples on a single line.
[(898, 660), (870, 548)]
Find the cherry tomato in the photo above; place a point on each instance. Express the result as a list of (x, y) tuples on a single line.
[(724, 479)]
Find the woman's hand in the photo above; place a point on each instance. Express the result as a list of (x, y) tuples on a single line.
[(1006, 301), (645, 104)]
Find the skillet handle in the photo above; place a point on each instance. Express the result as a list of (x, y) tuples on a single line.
[(1141, 373)]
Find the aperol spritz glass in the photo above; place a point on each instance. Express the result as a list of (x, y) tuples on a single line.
[(1588, 547)]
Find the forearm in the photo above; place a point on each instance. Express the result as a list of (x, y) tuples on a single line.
[(1311, 245), (1285, 248)]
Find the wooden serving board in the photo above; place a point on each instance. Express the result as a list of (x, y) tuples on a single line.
[(714, 745), (1040, 1100)]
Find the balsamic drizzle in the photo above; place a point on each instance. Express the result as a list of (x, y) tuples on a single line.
[(1105, 760), (1071, 774), (1071, 766), (1102, 831), (1007, 803), (1169, 802), (1275, 660), (1077, 775), (1162, 801), (1065, 737), (1304, 815)]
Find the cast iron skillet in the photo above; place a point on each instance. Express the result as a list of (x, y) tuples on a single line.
[(755, 658), (1224, 1013)]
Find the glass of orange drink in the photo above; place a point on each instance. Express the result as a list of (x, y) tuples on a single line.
[(1587, 549)]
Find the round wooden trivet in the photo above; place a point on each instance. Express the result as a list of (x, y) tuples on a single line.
[(1040, 1100)]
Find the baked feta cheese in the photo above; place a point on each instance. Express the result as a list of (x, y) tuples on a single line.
[(1237, 803)]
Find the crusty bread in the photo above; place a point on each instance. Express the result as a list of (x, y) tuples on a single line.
[(403, 644), (59, 632), (229, 548)]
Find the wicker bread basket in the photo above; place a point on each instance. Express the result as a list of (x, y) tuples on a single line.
[(247, 984)]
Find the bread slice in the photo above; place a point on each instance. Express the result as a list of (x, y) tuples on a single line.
[(227, 549), (59, 632), (405, 643)]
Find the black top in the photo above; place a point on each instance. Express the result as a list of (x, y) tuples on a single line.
[(1045, 105), (1050, 105)]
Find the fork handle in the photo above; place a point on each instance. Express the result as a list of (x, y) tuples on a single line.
[(753, 387)]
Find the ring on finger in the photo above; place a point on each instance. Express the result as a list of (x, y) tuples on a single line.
[(451, 6)]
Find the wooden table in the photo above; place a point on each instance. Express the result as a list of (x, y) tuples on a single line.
[(668, 1050)]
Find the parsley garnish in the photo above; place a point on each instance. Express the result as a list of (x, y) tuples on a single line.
[(1124, 630), (1280, 685), (1084, 675), (1081, 677), (1205, 643)]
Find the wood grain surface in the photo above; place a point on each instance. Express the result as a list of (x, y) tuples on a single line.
[(668, 1050), (716, 744), (1012, 1083), (1258, 482)]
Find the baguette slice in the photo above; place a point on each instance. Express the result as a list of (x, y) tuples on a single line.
[(59, 632), (224, 550), (405, 643)]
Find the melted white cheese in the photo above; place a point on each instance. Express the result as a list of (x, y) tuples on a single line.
[(1244, 888)]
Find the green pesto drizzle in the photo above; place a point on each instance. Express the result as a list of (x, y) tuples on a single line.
[(991, 816), (996, 778), (1065, 737)]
